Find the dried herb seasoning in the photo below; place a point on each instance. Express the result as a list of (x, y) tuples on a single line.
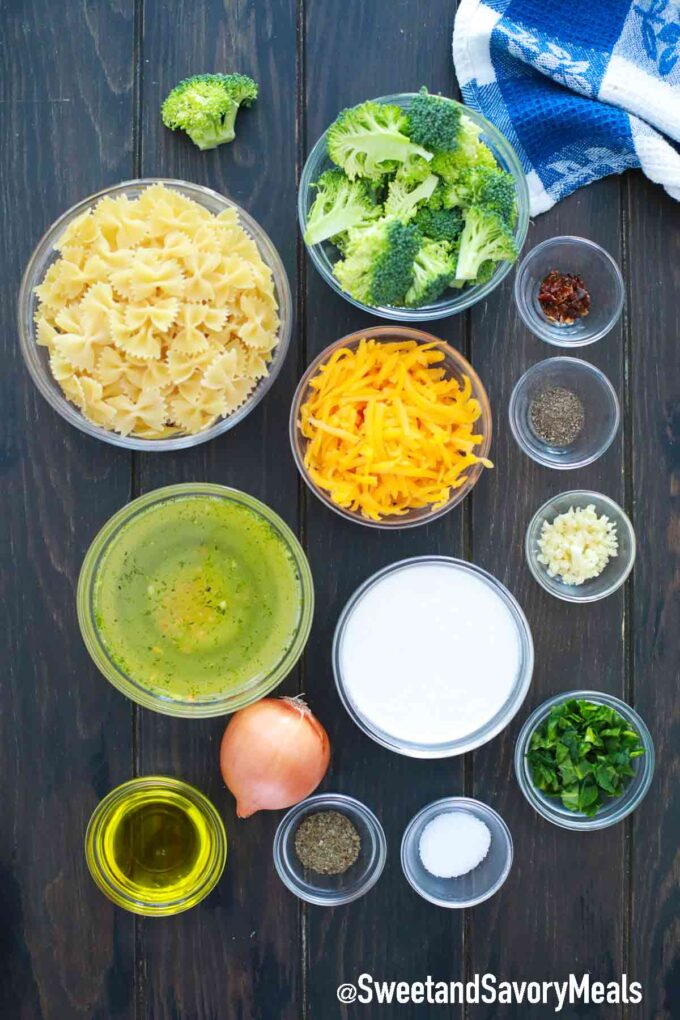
[(557, 416), (327, 842), (563, 297)]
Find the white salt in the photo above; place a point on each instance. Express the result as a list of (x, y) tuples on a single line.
[(453, 843)]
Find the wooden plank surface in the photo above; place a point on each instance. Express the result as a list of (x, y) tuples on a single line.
[(81, 88), (240, 954), (65, 735), (566, 890), (381, 934), (653, 258)]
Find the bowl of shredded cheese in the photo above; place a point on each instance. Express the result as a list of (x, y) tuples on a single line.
[(390, 427), (580, 546)]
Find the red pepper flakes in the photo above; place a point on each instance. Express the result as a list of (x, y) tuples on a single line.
[(563, 297)]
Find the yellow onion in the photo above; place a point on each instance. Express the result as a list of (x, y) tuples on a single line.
[(274, 753)]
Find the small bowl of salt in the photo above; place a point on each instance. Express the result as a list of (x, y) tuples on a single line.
[(456, 852)]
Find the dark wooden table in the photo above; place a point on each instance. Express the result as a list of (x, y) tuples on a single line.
[(82, 81)]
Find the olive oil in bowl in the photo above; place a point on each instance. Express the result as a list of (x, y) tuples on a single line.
[(155, 846)]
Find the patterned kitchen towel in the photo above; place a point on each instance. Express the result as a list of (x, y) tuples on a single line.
[(581, 88)]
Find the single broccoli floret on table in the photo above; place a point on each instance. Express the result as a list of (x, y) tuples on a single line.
[(433, 122), (433, 270), (339, 205), (205, 107), (485, 236), (403, 202), (439, 224), (468, 151), (378, 265), (369, 141)]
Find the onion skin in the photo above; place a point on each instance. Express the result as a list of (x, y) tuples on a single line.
[(274, 753)]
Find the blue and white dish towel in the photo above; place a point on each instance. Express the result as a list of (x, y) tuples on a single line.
[(581, 88)]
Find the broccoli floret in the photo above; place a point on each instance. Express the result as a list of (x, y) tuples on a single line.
[(439, 224), (369, 140), (490, 187), (433, 270), (485, 236), (414, 172), (433, 122), (495, 190), (205, 106), (339, 205), (403, 203), (467, 152), (378, 264)]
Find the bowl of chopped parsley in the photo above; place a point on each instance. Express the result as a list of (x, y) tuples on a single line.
[(584, 760)]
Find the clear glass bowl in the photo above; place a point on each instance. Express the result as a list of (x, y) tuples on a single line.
[(618, 568), (494, 725), (136, 688), (325, 255), (331, 890), (36, 357), (123, 892), (600, 404), (600, 274), (477, 885), (617, 807), (456, 366)]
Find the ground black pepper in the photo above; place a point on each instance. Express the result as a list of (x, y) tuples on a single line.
[(557, 416), (327, 842)]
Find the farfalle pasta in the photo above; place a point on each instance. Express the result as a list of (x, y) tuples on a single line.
[(159, 317)]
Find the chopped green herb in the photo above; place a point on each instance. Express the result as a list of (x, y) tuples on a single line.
[(583, 753)]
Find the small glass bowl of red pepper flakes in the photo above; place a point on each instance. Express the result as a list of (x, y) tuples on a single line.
[(569, 291)]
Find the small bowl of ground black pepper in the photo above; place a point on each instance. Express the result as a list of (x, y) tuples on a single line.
[(564, 413), (569, 291), (330, 849)]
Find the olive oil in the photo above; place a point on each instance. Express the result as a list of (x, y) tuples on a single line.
[(156, 846)]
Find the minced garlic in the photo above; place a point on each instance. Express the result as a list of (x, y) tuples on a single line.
[(578, 544)]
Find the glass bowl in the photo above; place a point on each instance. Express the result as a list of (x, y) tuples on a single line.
[(600, 404), (331, 890), (477, 885), (325, 255), (36, 357), (618, 807), (600, 274), (454, 363), (119, 887), (618, 568), (138, 689), (494, 725)]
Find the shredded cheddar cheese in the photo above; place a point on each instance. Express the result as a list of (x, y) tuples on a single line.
[(387, 430)]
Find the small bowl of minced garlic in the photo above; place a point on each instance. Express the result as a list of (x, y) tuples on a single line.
[(580, 546)]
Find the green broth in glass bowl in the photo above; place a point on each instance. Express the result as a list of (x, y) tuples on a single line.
[(195, 600)]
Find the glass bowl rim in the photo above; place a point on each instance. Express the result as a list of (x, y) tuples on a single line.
[(435, 808), (555, 334), (100, 873), (583, 496), (183, 708), (607, 386), (468, 296), (576, 821), (330, 897), (72, 414), (493, 726), (384, 334)]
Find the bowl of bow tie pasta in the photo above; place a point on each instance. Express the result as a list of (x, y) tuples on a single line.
[(155, 314)]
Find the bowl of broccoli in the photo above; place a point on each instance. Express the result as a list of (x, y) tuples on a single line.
[(413, 206)]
